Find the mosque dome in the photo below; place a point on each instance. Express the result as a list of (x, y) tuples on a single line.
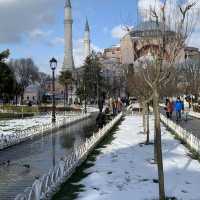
[(149, 29)]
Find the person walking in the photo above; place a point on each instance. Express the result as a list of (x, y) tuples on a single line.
[(178, 109), (100, 104), (114, 106), (119, 105), (169, 109), (166, 107)]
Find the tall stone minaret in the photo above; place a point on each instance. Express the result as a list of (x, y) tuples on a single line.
[(68, 63), (87, 40)]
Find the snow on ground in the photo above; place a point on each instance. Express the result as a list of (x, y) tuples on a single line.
[(9, 127), (123, 170)]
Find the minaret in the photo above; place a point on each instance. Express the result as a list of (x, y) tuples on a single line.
[(68, 63), (87, 40)]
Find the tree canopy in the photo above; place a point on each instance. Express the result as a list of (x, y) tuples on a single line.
[(7, 78)]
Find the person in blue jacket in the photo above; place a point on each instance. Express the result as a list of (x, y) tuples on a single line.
[(178, 109)]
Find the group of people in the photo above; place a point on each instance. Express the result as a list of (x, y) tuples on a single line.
[(110, 106), (177, 106), (115, 106)]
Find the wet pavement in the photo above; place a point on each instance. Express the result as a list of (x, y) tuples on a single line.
[(192, 124), (21, 164)]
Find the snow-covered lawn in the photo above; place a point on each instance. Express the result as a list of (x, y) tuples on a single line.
[(9, 127), (123, 170)]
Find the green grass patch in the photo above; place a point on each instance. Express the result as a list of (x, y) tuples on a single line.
[(19, 109), (4, 116)]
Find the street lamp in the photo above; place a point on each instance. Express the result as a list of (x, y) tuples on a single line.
[(53, 65), (85, 99)]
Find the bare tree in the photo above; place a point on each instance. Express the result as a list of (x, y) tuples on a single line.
[(190, 76), (171, 29), (138, 88), (26, 73), (66, 79)]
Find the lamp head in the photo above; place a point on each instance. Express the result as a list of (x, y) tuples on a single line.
[(53, 63)]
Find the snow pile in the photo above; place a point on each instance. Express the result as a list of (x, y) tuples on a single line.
[(123, 170), (9, 127)]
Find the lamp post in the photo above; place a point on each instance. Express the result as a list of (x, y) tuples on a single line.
[(85, 99), (53, 65)]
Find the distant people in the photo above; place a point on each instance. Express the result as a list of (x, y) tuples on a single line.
[(169, 109), (166, 102), (178, 108), (119, 105), (110, 104), (101, 120), (189, 101), (100, 104), (29, 103), (182, 105), (114, 107)]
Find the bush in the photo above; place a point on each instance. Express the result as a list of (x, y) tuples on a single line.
[(19, 109)]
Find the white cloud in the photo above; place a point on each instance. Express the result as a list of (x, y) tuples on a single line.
[(194, 40), (118, 32), (79, 51), (21, 17), (38, 34), (145, 6), (57, 41)]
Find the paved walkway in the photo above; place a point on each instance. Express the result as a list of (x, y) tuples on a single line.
[(192, 124), (123, 168)]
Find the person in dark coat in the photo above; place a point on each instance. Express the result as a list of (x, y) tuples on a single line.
[(101, 120), (100, 104)]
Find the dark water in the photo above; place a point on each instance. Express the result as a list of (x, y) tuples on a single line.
[(40, 155)]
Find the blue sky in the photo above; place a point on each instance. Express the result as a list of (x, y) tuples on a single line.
[(45, 39), (34, 28)]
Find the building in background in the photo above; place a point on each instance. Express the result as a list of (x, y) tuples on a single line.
[(144, 38), (33, 94)]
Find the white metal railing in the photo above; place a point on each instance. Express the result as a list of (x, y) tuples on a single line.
[(185, 135), (23, 135), (47, 185)]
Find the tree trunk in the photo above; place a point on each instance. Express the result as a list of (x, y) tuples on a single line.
[(158, 144), (155, 138), (147, 118), (66, 94), (144, 118), (22, 98), (16, 99), (65, 103)]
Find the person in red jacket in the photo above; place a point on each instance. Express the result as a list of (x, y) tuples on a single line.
[(169, 108)]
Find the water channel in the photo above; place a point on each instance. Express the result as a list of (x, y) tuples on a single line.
[(21, 164), (71, 189)]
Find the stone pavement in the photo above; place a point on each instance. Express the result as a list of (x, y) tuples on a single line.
[(192, 124)]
